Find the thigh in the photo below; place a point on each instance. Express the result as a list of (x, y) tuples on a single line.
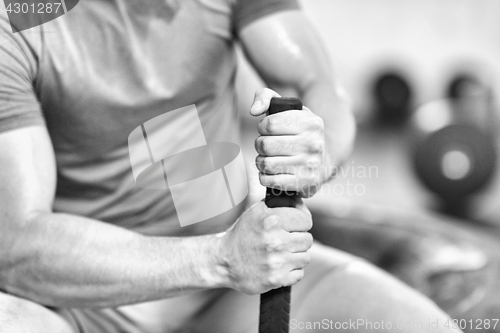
[(361, 297), (170, 315), (20, 315), (238, 313), (337, 288)]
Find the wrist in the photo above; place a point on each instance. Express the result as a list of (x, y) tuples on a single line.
[(216, 272)]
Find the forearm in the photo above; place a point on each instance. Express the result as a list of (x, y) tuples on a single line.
[(66, 260), (331, 104)]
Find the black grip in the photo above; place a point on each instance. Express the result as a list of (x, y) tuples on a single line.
[(275, 311), (275, 197), (275, 304)]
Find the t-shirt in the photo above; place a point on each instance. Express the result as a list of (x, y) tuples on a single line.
[(94, 74)]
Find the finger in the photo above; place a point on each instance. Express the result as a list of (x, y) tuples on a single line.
[(293, 277), (278, 164), (300, 260), (299, 204), (287, 145), (305, 185), (300, 242), (261, 101), (293, 220), (283, 182), (291, 122), (300, 165)]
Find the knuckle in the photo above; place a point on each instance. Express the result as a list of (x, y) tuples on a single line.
[(270, 222), (274, 263), (318, 123), (313, 163), (311, 190), (310, 240), (301, 222), (307, 222), (304, 260), (270, 125), (265, 145), (272, 244), (273, 280), (316, 146), (301, 163), (306, 241), (267, 166), (306, 211), (258, 144), (259, 163)]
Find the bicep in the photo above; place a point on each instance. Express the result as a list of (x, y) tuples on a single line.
[(27, 163), (27, 174), (285, 50)]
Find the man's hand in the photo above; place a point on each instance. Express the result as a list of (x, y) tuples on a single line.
[(267, 248), (291, 148)]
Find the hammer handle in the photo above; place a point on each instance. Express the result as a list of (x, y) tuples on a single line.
[(275, 304)]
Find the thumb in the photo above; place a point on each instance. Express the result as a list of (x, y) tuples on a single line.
[(261, 101)]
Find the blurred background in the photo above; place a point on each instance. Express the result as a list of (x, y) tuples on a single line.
[(420, 194)]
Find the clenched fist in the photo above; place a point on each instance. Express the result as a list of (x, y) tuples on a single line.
[(291, 148), (267, 248)]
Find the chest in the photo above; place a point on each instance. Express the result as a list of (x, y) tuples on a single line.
[(106, 67)]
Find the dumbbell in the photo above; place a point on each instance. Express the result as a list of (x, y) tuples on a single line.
[(462, 85), (392, 97), (455, 161), (455, 153), (472, 100)]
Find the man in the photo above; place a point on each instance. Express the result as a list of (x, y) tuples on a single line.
[(85, 250)]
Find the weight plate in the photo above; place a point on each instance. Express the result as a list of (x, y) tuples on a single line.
[(469, 143)]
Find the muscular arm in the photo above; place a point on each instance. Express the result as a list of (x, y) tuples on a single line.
[(287, 53), (67, 260), (71, 261)]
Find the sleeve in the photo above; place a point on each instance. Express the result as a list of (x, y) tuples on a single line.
[(19, 105), (247, 11)]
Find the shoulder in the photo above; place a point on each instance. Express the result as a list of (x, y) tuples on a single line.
[(18, 73), (247, 11), (19, 51)]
